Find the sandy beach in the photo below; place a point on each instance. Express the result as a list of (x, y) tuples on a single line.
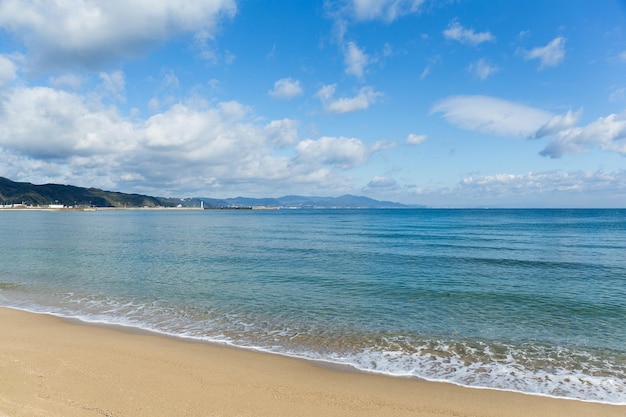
[(54, 367)]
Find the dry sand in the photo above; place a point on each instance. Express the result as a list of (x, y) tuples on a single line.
[(53, 367)]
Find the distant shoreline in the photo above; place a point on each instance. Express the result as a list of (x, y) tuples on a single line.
[(89, 209)]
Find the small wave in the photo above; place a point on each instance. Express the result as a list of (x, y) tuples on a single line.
[(563, 372), (540, 370)]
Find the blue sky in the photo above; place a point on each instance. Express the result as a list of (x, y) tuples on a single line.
[(444, 103)]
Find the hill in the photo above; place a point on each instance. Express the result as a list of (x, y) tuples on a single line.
[(296, 201), (68, 195), (292, 201)]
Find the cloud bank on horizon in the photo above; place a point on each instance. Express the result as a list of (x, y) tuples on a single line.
[(419, 101)]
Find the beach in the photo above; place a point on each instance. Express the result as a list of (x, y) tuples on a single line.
[(54, 367)]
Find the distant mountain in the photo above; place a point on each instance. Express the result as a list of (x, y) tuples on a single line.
[(347, 201), (68, 195), (296, 201)]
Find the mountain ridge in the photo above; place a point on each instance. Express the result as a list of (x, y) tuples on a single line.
[(45, 195)]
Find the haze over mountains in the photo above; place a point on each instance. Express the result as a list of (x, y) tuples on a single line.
[(12, 193)]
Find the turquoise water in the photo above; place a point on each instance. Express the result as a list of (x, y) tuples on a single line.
[(525, 300)]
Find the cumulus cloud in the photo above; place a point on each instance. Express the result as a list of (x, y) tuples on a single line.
[(286, 89), (46, 123), (533, 189), (458, 33), (208, 145), (414, 139), (184, 128), (282, 133), (381, 182), (386, 10), (550, 55), (8, 70), (482, 69), (355, 59), (64, 33), (492, 115), (52, 135), (364, 98), (66, 81), (340, 152), (607, 133)]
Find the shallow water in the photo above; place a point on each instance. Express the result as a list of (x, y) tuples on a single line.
[(527, 300)]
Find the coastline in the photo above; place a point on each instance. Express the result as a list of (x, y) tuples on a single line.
[(91, 209), (56, 367)]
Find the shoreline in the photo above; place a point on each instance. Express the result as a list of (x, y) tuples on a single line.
[(91, 209), (52, 366), (322, 363)]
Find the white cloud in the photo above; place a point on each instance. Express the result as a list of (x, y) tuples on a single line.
[(282, 133), (550, 55), (492, 115), (340, 152), (230, 110), (364, 98), (190, 137), (91, 32), (382, 182), (386, 10), (414, 139), (546, 183), (356, 60), (66, 81), (608, 133), (327, 92), (286, 89), (500, 117), (383, 145), (482, 69), (114, 85), (8, 70), (49, 135), (533, 189), (45, 123), (558, 123), (458, 33)]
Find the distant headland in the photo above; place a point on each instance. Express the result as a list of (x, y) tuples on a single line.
[(15, 195)]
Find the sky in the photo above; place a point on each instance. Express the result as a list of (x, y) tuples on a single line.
[(445, 103)]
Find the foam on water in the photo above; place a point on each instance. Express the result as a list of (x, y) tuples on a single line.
[(532, 368)]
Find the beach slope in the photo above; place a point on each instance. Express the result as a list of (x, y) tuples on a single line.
[(53, 367)]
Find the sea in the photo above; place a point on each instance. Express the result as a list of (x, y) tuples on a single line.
[(532, 301)]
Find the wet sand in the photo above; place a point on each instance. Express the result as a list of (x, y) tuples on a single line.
[(53, 367)]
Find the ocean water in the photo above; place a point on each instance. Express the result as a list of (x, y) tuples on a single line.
[(524, 300)]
